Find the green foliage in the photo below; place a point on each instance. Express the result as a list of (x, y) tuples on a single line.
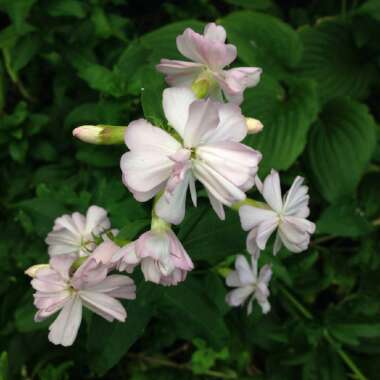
[(65, 63)]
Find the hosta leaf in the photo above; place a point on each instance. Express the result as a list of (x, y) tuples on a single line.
[(287, 110), (263, 41), (332, 59), (340, 146)]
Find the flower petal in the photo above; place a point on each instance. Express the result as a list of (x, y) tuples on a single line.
[(176, 102), (251, 217), (264, 231), (238, 296), (103, 305), (65, 328), (247, 274), (203, 117), (142, 135), (215, 32), (179, 73), (272, 191)]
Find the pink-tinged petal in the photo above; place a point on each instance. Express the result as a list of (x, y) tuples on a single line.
[(179, 73), (203, 117), (216, 206), (117, 286), (143, 196), (150, 270), (49, 303), (277, 244), (220, 187), (177, 276), (251, 244), (49, 283), (297, 199), (235, 81), (90, 272), (125, 258), (171, 207), (145, 170), (178, 254), (251, 217), (176, 102), (153, 244), (66, 222), (103, 305), (232, 126), (104, 252), (142, 135), (64, 329), (62, 264), (236, 162), (198, 48), (246, 274), (265, 274), (272, 191), (233, 280), (259, 184), (96, 220), (238, 296), (215, 32), (193, 190), (79, 221), (264, 230), (188, 44)]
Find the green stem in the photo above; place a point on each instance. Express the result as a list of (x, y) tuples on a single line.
[(302, 309), (185, 366), (344, 356)]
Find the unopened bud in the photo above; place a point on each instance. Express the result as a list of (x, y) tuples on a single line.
[(253, 125), (32, 271), (100, 134)]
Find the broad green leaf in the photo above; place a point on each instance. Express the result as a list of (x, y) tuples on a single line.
[(287, 110), (263, 41), (73, 8), (4, 366), (151, 96), (17, 10), (193, 314), (343, 219), (108, 342), (370, 8), (207, 238), (332, 59), (340, 145)]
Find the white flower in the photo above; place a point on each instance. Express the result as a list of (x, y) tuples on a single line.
[(209, 150), (76, 233), (249, 283), (287, 215)]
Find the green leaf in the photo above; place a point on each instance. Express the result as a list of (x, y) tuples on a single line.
[(193, 314), (343, 219), (151, 96), (340, 146), (108, 342), (263, 41), (370, 8), (73, 8), (332, 59), (4, 366), (287, 110), (18, 10), (207, 238)]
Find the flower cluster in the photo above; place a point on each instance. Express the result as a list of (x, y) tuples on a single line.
[(202, 142)]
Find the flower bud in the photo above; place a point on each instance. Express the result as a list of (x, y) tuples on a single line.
[(253, 125), (32, 271), (100, 134)]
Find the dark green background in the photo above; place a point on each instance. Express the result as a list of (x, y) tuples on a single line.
[(65, 63)]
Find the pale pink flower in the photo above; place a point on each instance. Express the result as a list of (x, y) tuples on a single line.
[(161, 255), (287, 215), (209, 150), (249, 284), (76, 233), (62, 288), (206, 75)]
